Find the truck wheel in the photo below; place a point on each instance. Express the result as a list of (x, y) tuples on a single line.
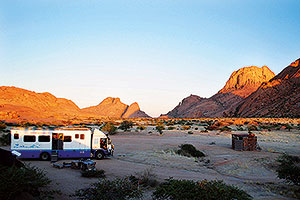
[(45, 156), (99, 155)]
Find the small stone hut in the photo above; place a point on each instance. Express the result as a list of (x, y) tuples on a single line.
[(244, 142)]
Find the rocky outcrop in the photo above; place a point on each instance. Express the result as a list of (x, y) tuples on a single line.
[(240, 85), (39, 101), (279, 97), (114, 108), (19, 104), (109, 107), (133, 111), (186, 108), (246, 80)]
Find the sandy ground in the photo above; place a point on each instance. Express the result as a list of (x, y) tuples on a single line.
[(136, 152)]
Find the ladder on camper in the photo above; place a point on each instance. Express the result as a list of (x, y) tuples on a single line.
[(54, 156)]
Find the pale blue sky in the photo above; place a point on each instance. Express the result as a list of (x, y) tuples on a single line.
[(153, 52)]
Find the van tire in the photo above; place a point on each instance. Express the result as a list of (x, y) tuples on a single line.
[(99, 155), (45, 156)]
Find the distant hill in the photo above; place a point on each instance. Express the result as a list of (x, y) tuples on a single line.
[(113, 107), (240, 85), (24, 103), (279, 97), (19, 104)]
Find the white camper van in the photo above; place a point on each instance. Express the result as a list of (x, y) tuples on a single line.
[(61, 142)]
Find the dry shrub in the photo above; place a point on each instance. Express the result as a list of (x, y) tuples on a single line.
[(16, 181), (117, 189), (147, 178), (190, 151), (289, 168), (188, 189)]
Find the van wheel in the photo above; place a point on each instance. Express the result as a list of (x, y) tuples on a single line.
[(99, 155), (45, 156)]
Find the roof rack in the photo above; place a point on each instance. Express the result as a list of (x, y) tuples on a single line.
[(72, 129), (58, 128)]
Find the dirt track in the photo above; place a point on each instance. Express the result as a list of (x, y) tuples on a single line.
[(136, 152)]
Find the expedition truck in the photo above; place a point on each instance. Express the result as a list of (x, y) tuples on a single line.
[(60, 143)]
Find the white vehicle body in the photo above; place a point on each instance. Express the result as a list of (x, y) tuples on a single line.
[(66, 142)]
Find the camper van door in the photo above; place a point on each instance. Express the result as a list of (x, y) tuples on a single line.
[(57, 141)]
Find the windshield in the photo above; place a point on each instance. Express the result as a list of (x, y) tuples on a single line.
[(103, 143)]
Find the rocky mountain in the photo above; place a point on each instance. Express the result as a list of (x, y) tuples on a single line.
[(19, 104), (246, 80), (279, 97), (110, 107), (240, 85), (134, 111), (188, 108), (197, 107), (114, 108)]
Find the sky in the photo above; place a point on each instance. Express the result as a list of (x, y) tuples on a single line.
[(152, 52)]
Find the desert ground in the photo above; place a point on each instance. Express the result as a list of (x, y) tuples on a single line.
[(135, 152)]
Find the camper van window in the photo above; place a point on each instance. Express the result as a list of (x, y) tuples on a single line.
[(68, 139), (29, 138), (16, 136), (76, 136), (44, 138), (82, 136)]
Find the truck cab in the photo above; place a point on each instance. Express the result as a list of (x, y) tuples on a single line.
[(101, 145)]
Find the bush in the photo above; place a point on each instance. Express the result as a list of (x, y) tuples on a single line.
[(26, 124), (5, 138), (147, 178), (180, 122), (160, 128), (2, 126), (289, 168), (225, 128), (211, 127), (265, 127), (171, 128), (110, 128), (288, 127), (93, 173), (170, 123), (189, 123), (190, 151), (190, 132), (125, 125), (240, 128), (141, 127), (31, 180), (117, 189), (252, 128), (204, 190)]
